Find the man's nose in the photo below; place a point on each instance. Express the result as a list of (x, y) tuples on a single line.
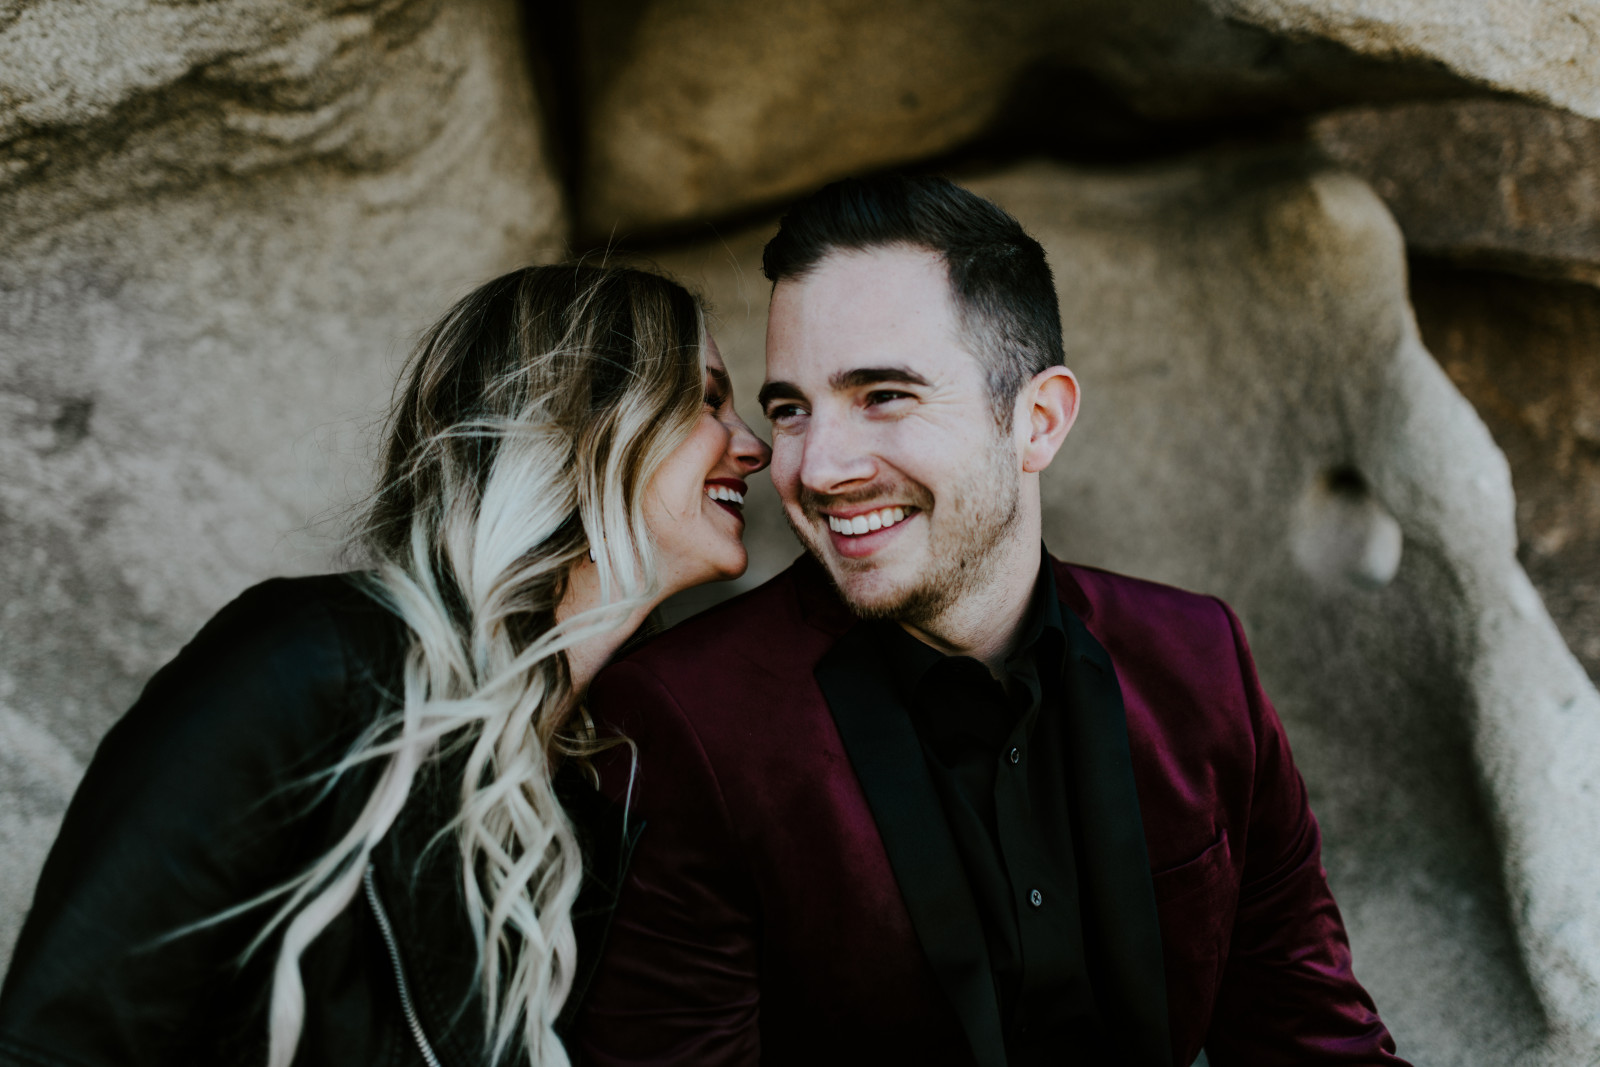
[(835, 457)]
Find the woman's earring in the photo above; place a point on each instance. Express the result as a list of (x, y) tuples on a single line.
[(592, 557)]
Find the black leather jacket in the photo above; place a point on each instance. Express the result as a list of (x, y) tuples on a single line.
[(204, 796)]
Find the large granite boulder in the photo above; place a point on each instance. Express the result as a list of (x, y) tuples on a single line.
[(1491, 183), (697, 108), (1262, 422), (223, 223), (1540, 49)]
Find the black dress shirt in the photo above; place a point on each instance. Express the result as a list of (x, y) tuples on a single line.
[(995, 749)]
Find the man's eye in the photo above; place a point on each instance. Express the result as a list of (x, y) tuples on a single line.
[(778, 412), (885, 396)]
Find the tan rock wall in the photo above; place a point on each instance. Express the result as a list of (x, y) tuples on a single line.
[(1540, 49), (695, 109), (1490, 183), (222, 224)]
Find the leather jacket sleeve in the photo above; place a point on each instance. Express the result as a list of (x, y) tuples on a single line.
[(181, 815)]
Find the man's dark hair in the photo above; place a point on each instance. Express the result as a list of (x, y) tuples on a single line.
[(1004, 293)]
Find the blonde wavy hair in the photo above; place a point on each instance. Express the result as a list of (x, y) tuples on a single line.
[(526, 428)]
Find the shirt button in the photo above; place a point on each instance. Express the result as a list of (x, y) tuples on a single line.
[(1036, 898), (1015, 755)]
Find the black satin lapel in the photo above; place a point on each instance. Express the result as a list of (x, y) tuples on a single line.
[(1114, 877), (888, 761)]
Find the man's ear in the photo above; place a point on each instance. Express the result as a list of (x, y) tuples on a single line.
[(1047, 409)]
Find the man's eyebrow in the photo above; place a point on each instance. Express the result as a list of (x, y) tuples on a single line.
[(778, 391), (855, 378), (858, 377)]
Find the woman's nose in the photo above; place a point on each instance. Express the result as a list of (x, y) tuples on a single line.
[(750, 452)]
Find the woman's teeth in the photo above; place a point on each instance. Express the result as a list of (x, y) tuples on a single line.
[(860, 524), (722, 492)]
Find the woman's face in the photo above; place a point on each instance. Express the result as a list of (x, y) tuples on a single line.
[(695, 505)]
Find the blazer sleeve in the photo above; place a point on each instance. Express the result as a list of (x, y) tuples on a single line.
[(177, 819), (678, 981), (1287, 993)]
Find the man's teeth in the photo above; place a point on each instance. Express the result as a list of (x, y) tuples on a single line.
[(722, 492), (860, 524)]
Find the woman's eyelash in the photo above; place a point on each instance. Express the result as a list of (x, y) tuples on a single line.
[(715, 398)]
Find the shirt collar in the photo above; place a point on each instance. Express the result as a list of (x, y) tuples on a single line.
[(1043, 622), (1044, 637)]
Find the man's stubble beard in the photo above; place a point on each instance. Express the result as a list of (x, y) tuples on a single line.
[(977, 516)]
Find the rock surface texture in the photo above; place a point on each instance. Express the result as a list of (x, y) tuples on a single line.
[(222, 224), (695, 108), (1540, 49), (1527, 354), (1262, 422), (1486, 182)]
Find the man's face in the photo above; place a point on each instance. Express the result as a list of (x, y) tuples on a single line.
[(882, 422)]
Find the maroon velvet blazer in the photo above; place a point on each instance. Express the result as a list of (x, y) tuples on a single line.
[(788, 903)]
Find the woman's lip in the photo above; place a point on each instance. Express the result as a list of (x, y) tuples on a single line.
[(730, 507), (736, 484)]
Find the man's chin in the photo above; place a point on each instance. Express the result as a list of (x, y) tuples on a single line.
[(867, 587)]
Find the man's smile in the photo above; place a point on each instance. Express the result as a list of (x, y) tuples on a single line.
[(861, 533), (867, 521)]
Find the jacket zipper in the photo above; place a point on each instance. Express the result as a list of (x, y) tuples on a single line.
[(399, 973)]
